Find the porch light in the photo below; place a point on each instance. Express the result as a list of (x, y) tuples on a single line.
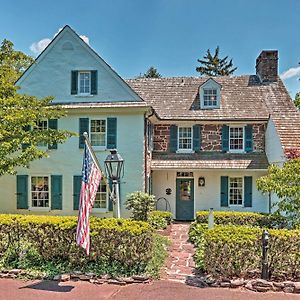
[(114, 165)]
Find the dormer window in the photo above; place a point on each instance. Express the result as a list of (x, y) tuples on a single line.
[(210, 94)]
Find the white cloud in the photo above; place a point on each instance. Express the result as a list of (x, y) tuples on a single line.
[(292, 72), (38, 47)]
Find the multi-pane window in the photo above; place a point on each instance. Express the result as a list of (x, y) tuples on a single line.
[(236, 191), (210, 97), (98, 133), (40, 191), (184, 138), (236, 138), (101, 196), (84, 82), (41, 125)]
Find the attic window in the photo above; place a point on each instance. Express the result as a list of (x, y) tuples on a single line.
[(210, 97)]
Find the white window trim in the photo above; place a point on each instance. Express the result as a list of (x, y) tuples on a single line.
[(243, 187), (185, 150), (99, 148), (78, 83), (217, 98), (237, 150), (43, 147), (103, 210), (33, 208)]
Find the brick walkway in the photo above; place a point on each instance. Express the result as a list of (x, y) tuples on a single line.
[(180, 262)]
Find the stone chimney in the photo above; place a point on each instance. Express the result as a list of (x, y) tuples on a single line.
[(267, 66)]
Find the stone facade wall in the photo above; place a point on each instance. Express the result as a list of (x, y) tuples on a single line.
[(161, 137), (211, 137)]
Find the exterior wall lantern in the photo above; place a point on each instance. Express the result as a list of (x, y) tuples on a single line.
[(114, 164), (201, 181)]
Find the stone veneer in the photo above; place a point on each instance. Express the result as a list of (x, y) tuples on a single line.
[(211, 136)]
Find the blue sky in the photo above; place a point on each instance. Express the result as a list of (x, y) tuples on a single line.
[(132, 35)]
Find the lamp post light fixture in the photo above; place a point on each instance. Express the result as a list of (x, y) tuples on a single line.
[(114, 164), (265, 247)]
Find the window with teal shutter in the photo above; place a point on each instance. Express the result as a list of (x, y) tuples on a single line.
[(111, 133), (248, 191), (76, 191), (74, 82), (83, 127), (225, 138), (173, 138), (22, 191), (197, 138), (224, 191), (52, 124), (248, 138), (56, 192), (94, 82), (26, 128)]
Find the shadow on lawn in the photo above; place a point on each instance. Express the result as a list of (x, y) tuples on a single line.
[(49, 285)]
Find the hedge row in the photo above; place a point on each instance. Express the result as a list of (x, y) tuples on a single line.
[(231, 251), (127, 242), (160, 219), (243, 218)]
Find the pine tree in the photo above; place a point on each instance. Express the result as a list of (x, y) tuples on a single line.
[(297, 100), (213, 65), (151, 73)]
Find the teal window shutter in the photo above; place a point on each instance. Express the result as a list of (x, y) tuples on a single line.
[(173, 138), (224, 191), (76, 191), (110, 203), (94, 82), (56, 192), (111, 133), (22, 191), (74, 82), (83, 127), (52, 124), (248, 191), (26, 128), (248, 138), (196, 138), (225, 138)]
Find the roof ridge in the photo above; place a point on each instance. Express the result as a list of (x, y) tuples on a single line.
[(188, 77)]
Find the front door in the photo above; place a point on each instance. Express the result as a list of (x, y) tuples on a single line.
[(184, 199)]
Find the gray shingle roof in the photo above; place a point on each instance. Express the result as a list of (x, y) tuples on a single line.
[(209, 160)]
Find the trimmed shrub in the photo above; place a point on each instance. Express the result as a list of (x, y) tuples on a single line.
[(160, 219), (243, 218), (141, 204), (127, 243), (231, 251)]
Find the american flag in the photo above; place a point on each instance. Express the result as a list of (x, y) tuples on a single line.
[(91, 177)]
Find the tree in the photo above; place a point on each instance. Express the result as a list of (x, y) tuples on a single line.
[(20, 112), (285, 182), (297, 100), (151, 73), (213, 65)]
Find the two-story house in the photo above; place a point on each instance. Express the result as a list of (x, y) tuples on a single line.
[(97, 101), (214, 137)]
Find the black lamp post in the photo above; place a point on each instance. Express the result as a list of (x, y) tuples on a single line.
[(265, 247), (114, 164)]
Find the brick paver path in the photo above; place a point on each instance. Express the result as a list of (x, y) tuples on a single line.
[(180, 262)]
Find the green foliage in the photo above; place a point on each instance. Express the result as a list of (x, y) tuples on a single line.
[(141, 204), (41, 242), (20, 112), (213, 65), (160, 219), (297, 100), (285, 182), (158, 257), (231, 251), (243, 218), (151, 73)]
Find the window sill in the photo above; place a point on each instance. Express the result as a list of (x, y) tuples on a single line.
[(84, 95), (185, 151), (39, 209), (99, 148), (236, 151)]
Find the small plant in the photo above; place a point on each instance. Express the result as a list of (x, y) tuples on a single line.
[(141, 204), (160, 219)]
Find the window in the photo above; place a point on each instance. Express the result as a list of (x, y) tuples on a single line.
[(40, 191), (84, 83), (41, 125), (236, 138), (185, 138), (235, 190), (98, 133), (101, 196), (210, 97)]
